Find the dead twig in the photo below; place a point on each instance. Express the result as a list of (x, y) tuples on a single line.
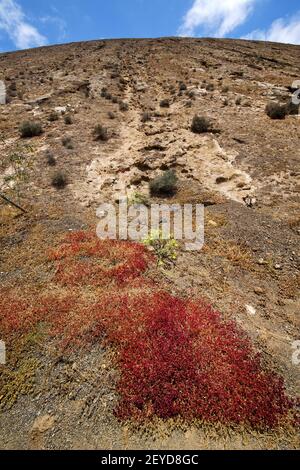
[(12, 203)]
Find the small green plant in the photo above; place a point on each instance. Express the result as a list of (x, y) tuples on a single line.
[(165, 184), (200, 125), (30, 129), (166, 250), (100, 133), (59, 180), (275, 110)]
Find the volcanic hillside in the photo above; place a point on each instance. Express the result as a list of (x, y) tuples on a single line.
[(105, 340)]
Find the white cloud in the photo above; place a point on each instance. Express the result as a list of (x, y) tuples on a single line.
[(217, 17), (60, 24), (286, 30), (13, 22)]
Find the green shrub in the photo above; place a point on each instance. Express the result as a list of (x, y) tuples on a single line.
[(100, 133), (165, 184), (59, 180), (68, 119), (50, 158), (67, 143), (200, 125), (276, 110), (53, 116), (30, 129), (123, 106)]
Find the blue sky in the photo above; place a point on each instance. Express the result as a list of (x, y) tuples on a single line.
[(31, 23)]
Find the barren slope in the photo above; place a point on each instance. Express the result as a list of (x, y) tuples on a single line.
[(250, 255)]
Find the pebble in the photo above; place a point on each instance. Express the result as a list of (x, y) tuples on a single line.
[(212, 223), (250, 310), (258, 290)]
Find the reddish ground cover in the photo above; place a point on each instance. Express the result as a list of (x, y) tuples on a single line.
[(176, 357)]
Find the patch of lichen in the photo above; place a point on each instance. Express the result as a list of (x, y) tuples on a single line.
[(17, 376)]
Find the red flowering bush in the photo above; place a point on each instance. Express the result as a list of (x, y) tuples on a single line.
[(176, 357)]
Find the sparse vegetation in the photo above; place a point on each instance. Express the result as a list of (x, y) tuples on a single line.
[(276, 110), (146, 116), (53, 116), (59, 180), (68, 119), (165, 184), (115, 335), (104, 92), (50, 158), (137, 199), (123, 106), (101, 133), (200, 125), (191, 94), (210, 87), (165, 103), (67, 143), (30, 129)]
